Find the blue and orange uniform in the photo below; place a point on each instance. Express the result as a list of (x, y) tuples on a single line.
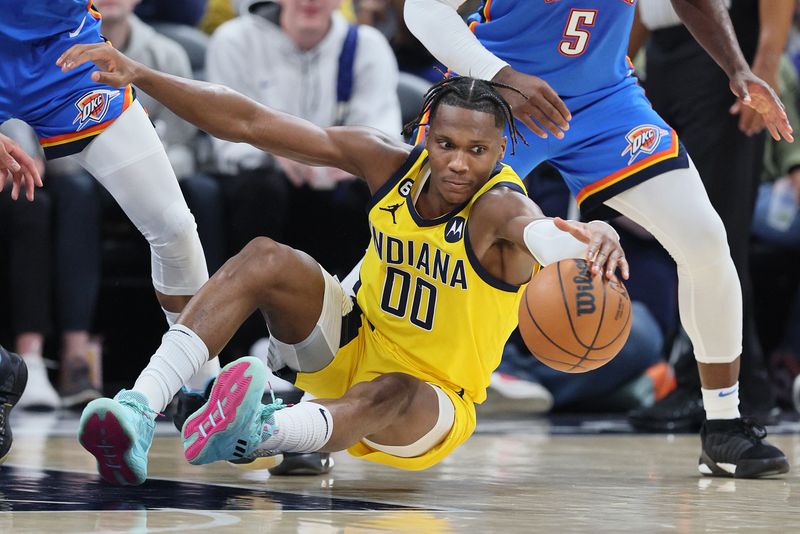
[(579, 47), (67, 110)]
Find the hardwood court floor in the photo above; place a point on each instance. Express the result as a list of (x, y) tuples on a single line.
[(514, 475)]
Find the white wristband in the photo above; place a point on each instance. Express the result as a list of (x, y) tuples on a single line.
[(548, 244)]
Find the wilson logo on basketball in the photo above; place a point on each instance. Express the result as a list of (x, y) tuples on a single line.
[(93, 106), (584, 295), (643, 140)]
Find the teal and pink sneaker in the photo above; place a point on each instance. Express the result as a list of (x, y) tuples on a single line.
[(229, 425), (119, 432)]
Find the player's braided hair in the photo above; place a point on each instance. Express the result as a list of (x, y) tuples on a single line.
[(469, 93)]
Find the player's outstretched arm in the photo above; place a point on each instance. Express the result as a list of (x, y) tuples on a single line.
[(509, 216), (19, 167), (438, 26), (226, 114), (710, 24)]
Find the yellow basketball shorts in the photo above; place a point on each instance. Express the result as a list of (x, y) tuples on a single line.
[(365, 358)]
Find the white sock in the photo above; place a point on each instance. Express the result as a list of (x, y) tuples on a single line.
[(208, 372), (721, 403), (304, 427), (172, 317), (181, 354)]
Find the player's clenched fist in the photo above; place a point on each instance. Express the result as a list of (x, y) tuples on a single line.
[(115, 69)]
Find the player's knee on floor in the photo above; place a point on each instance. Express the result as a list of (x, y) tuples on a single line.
[(179, 266)]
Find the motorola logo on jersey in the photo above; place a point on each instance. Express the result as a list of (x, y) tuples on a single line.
[(93, 106), (454, 230), (643, 139)]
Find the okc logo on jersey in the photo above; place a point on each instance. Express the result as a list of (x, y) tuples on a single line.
[(93, 106), (643, 139)]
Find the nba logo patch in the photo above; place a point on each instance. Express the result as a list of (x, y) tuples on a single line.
[(643, 139), (93, 106)]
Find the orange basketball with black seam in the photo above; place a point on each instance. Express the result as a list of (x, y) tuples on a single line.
[(573, 321)]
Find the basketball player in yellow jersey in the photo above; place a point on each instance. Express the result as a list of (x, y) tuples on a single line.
[(397, 372)]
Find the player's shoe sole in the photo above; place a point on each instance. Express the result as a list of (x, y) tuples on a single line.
[(105, 434), (223, 428)]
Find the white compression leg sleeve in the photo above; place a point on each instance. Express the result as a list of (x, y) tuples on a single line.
[(675, 208), (129, 160)]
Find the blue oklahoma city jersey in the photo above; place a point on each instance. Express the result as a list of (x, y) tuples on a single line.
[(615, 140), (30, 20), (574, 45), (67, 109)]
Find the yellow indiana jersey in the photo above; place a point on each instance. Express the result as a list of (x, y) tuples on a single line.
[(426, 297)]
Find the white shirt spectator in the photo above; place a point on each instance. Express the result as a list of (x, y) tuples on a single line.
[(252, 55)]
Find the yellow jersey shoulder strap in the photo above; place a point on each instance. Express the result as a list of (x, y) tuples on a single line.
[(409, 169)]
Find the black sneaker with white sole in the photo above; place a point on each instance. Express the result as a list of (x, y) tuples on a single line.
[(13, 378), (736, 448)]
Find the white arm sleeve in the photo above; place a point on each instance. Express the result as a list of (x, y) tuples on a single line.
[(439, 27), (548, 244)]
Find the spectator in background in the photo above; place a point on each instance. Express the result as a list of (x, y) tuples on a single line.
[(294, 57), (387, 17), (726, 142), (25, 247), (79, 201), (217, 13)]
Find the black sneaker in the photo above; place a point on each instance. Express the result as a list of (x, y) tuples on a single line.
[(680, 411), (13, 377), (736, 448), (303, 463), (77, 389), (187, 403)]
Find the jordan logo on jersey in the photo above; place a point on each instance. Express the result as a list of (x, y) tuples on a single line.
[(643, 139), (393, 210), (93, 106)]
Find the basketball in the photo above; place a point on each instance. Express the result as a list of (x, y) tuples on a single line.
[(573, 321)]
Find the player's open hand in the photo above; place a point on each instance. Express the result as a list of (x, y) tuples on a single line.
[(542, 111), (116, 70), (18, 168), (755, 93), (604, 253)]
